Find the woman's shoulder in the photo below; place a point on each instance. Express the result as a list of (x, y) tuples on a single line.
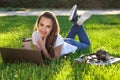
[(35, 33), (59, 36)]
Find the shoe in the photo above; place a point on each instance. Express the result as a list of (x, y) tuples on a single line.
[(73, 14), (83, 18)]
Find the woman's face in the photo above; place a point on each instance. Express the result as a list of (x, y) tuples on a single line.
[(45, 26)]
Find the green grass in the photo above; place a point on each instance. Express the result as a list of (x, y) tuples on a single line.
[(103, 32)]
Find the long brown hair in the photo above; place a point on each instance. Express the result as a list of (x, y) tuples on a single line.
[(51, 38)]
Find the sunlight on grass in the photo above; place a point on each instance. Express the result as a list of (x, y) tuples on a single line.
[(105, 37), (7, 40), (10, 39), (64, 72), (102, 73), (14, 36)]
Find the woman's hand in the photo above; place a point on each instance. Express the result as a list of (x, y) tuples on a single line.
[(44, 40), (43, 48)]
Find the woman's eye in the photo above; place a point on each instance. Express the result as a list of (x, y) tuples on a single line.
[(40, 24), (48, 26)]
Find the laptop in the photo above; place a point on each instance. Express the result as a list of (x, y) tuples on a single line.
[(12, 55)]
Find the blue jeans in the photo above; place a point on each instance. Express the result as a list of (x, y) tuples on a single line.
[(83, 38)]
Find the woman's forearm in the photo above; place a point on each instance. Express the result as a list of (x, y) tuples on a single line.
[(45, 52)]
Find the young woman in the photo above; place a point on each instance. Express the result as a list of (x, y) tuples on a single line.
[(47, 39)]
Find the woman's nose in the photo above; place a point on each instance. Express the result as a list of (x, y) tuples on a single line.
[(44, 29)]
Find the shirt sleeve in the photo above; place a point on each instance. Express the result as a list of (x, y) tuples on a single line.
[(59, 41), (35, 37)]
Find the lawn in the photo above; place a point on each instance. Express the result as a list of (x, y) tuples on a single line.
[(103, 32)]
